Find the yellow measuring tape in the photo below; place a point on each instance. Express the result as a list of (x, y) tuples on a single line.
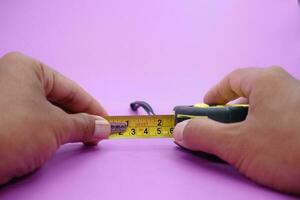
[(162, 126), (144, 126)]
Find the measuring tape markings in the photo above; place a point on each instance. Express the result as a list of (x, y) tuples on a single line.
[(150, 126)]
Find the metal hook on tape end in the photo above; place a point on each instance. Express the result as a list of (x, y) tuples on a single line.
[(118, 127)]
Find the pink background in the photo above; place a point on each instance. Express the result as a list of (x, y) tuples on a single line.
[(167, 52)]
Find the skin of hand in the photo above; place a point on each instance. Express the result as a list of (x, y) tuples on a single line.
[(41, 110), (266, 146)]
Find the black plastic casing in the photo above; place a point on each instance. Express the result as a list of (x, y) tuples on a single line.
[(225, 114)]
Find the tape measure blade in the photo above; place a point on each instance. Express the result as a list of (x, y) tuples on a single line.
[(144, 126)]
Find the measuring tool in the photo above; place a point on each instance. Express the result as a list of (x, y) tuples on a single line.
[(162, 126)]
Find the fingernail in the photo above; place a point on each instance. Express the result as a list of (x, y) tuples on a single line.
[(102, 128), (178, 131)]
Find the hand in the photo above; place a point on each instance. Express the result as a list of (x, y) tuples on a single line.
[(266, 146), (38, 109)]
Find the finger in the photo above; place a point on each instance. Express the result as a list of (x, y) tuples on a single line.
[(241, 100), (65, 93), (208, 136), (237, 84), (60, 90), (89, 129)]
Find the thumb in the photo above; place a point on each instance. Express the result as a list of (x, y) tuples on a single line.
[(209, 136), (82, 127)]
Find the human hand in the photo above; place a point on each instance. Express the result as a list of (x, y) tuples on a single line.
[(41, 110), (266, 146)]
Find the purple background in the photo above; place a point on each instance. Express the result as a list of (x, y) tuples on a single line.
[(167, 52)]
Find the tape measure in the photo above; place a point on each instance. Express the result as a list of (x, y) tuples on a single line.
[(162, 126), (144, 126)]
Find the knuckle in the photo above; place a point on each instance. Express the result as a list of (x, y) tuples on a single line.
[(18, 60), (12, 55), (270, 75), (239, 71), (276, 69)]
